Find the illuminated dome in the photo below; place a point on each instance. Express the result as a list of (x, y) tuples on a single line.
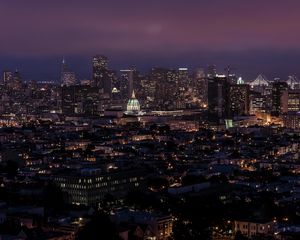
[(133, 104)]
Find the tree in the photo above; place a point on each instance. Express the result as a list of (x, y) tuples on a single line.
[(11, 168), (53, 197), (239, 236), (100, 227)]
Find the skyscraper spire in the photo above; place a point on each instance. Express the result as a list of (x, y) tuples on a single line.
[(64, 67), (133, 95), (63, 70)]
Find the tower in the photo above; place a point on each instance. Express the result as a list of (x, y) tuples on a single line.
[(201, 85), (17, 81), (101, 74), (279, 98), (7, 77), (63, 69), (67, 78), (219, 98), (126, 83)]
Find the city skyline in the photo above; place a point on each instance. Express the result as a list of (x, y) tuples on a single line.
[(253, 37), (149, 120)]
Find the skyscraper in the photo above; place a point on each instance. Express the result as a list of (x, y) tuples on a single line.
[(17, 81), (126, 83), (239, 99), (279, 98), (100, 62), (211, 71), (200, 81), (101, 74), (67, 78), (218, 97), (294, 100), (7, 77), (64, 68)]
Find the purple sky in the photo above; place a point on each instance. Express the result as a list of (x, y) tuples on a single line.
[(253, 36)]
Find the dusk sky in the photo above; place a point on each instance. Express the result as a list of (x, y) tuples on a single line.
[(257, 36)]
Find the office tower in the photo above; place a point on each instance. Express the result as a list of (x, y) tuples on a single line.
[(200, 83), (108, 84), (100, 62), (99, 70), (183, 77), (239, 99), (126, 83), (7, 77), (129, 80), (279, 98), (69, 78), (102, 77), (232, 78), (162, 90), (32, 85), (294, 100), (148, 89), (158, 75), (17, 81), (211, 71), (258, 102), (218, 98), (80, 99), (63, 69), (291, 120)]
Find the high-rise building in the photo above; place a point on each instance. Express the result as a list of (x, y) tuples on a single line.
[(7, 77), (258, 102), (183, 76), (16, 83), (126, 83), (294, 100), (211, 71), (148, 89), (279, 98), (100, 62), (218, 97), (166, 83), (102, 77), (68, 78), (80, 99), (291, 120), (64, 68), (239, 99), (200, 81)]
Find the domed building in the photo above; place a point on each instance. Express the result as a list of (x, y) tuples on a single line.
[(133, 106)]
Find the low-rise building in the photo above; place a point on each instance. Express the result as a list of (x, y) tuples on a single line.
[(251, 228), (90, 186)]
